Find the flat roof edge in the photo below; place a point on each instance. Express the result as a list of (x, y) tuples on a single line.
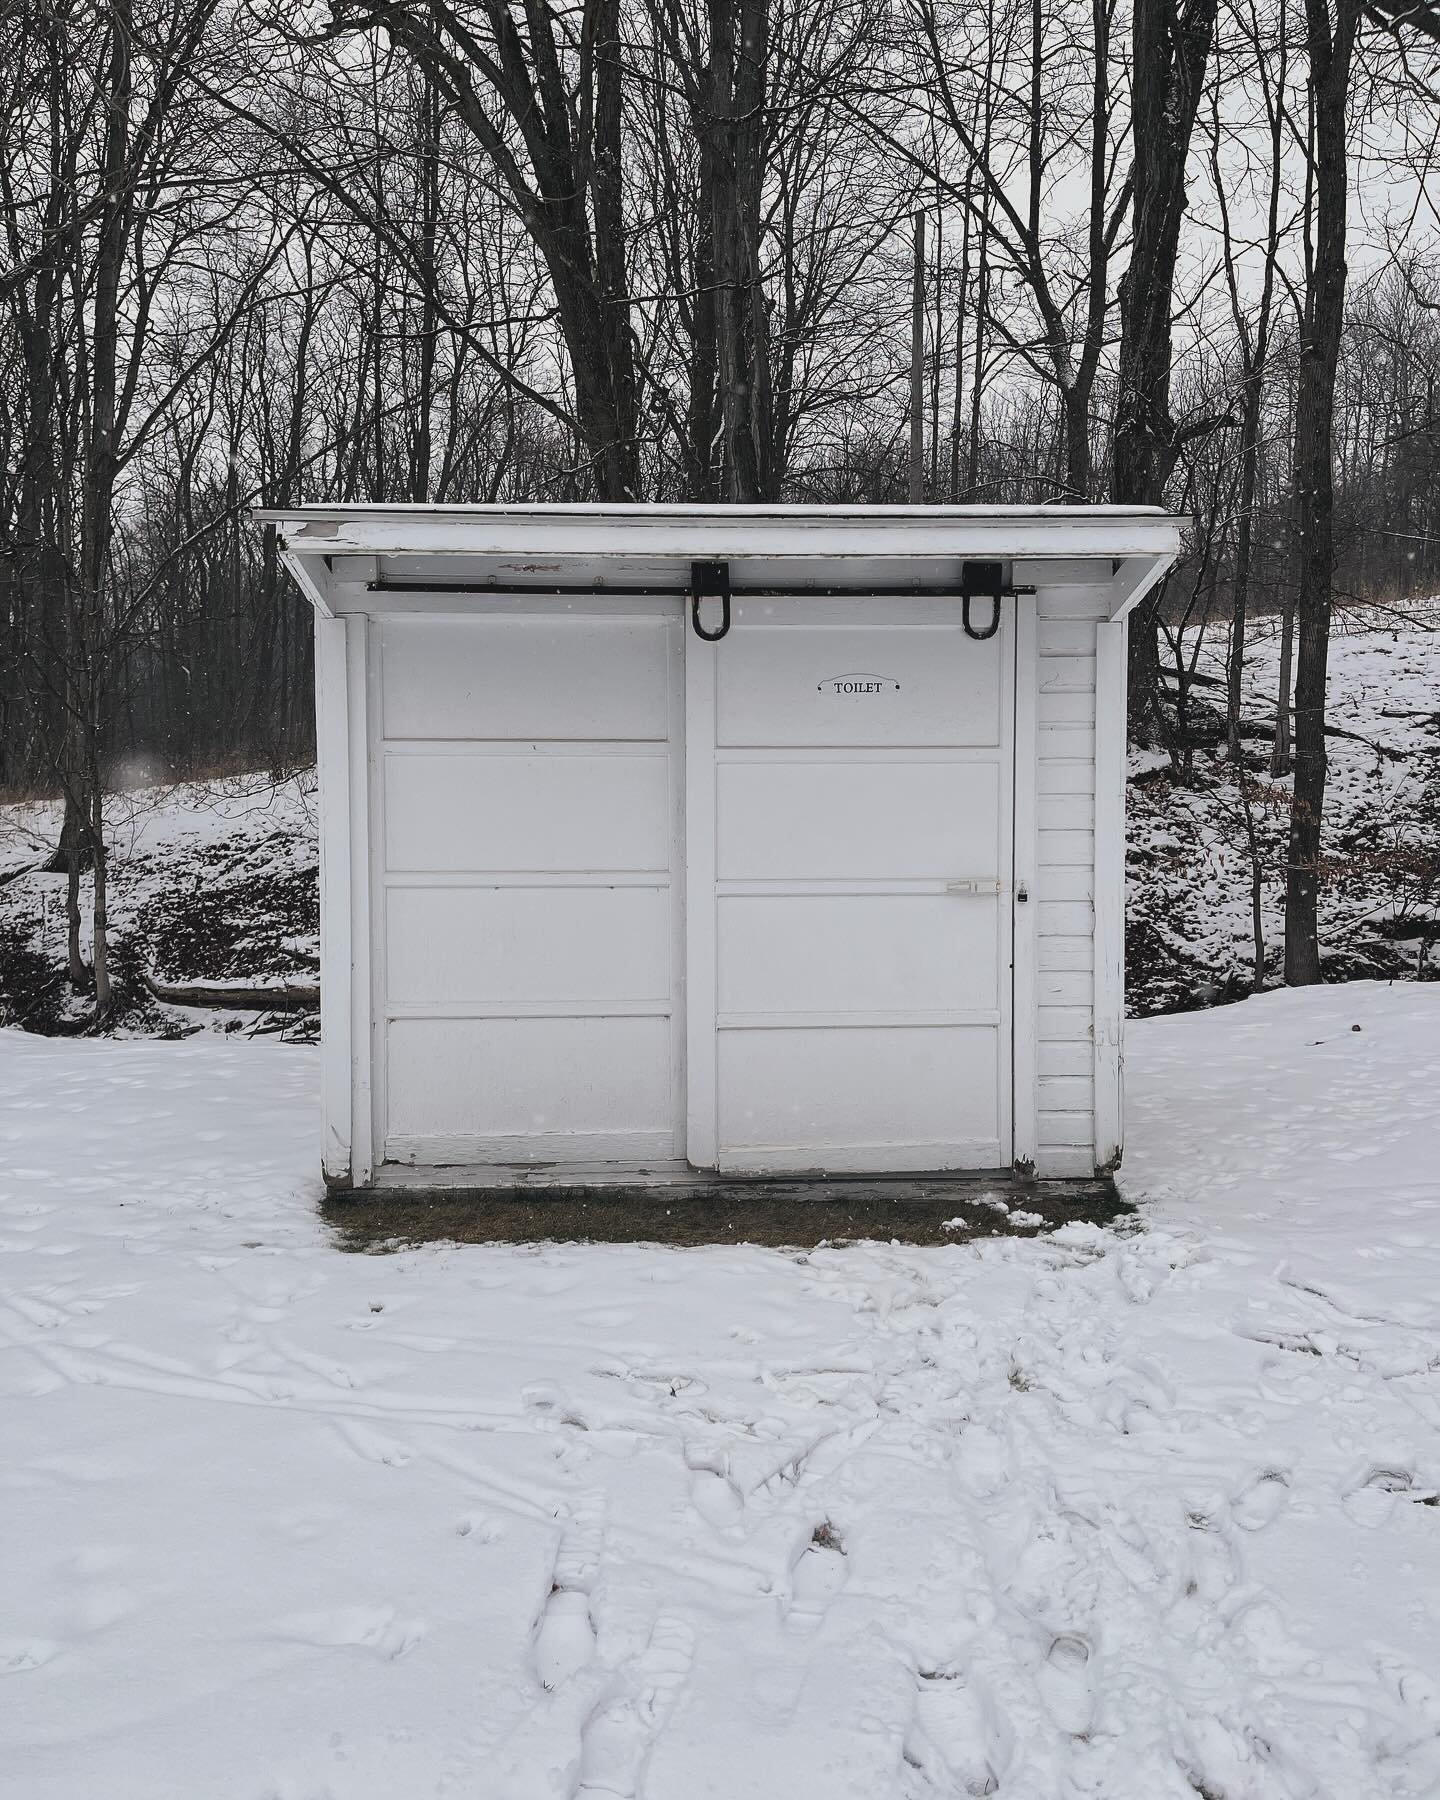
[(606, 531), (641, 511)]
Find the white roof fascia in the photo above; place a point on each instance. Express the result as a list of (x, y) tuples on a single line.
[(719, 532)]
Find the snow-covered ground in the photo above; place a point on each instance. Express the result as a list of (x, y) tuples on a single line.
[(1131, 1516)]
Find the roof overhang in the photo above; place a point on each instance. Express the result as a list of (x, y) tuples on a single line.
[(338, 554)]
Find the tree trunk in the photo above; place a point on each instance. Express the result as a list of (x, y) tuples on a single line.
[(1255, 356), (917, 366), (1329, 51), (730, 125), (1171, 47), (1244, 549)]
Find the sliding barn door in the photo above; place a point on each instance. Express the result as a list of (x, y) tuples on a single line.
[(849, 816)]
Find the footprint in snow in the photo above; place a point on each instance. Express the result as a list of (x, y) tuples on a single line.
[(564, 1638), (481, 1527), (377, 1628), (1371, 1500), (713, 1494), (618, 1735), (1414, 1689), (716, 1498), (1213, 1570), (17, 1655), (374, 1446), (1260, 1501), (950, 1739), (565, 1632), (1065, 1684), (816, 1577)]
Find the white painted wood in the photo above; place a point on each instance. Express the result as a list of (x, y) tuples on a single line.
[(1076, 846), (332, 743), (362, 940), (557, 676), (1077, 602), (309, 575), (573, 1156), (1135, 577), (1068, 810), (899, 680), (859, 1028), (1061, 1163), (873, 1097), (846, 819), (1064, 987), (1067, 637), (1025, 914), (649, 1170), (1065, 918), (529, 1006), (1057, 775), (1060, 1059), (528, 947), (702, 1095), (543, 1082), (1065, 874), (857, 954), (537, 535), (1070, 882), (480, 603), (1067, 674), (1075, 1129), (461, 809), (508, 801), (1067, 707), (1109, 1000), (677, 632), (1066, 954), (1066, 1024)]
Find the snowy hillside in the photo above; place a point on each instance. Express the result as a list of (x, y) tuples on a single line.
[(1143, 1515), (218, 882), (1190, 938), (214, 881)]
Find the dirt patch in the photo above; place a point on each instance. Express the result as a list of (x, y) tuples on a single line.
[(783, 1215)]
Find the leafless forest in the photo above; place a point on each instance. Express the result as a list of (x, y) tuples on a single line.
[(666, 249)]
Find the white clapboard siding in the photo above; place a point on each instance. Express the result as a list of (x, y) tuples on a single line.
[(1066, 618)]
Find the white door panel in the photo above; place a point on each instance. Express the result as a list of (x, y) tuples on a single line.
[(512, 1090), (528, 938), (851, 781), (556, 675), (861, 1098), (538, 946), (788, 677), (850, 819), (498, 813), (860, 954)]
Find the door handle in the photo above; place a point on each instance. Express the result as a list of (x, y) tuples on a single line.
[(973, 884)]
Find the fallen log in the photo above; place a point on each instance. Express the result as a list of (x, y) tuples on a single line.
[(289, 996)]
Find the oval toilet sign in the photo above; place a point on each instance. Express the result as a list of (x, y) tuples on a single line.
[(858, 684)]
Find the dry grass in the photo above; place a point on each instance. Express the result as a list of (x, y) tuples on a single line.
[(794, 1215)]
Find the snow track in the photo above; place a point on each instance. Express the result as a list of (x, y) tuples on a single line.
[(1131, 1517)]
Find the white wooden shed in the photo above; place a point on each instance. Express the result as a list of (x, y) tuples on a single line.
[(605, 891)]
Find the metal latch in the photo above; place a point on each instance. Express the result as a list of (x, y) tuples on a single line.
[(972, 884)]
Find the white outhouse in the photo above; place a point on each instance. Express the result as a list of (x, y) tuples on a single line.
[(764, 838)]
